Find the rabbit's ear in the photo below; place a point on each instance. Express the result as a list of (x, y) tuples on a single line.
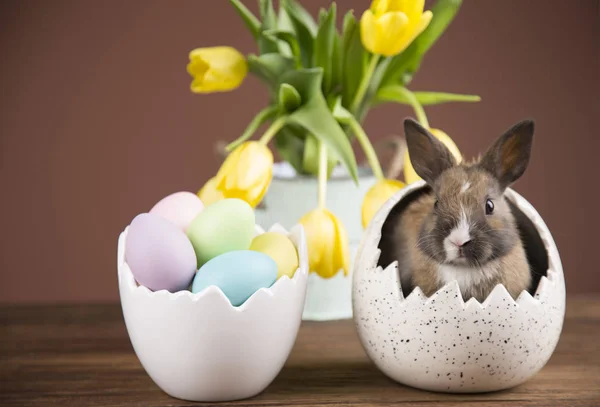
[(508, 157), (428, 156)]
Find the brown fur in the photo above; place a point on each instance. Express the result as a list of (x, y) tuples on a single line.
[(511, 270), (495, 253)]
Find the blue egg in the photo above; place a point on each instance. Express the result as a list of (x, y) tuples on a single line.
[(238, 274)]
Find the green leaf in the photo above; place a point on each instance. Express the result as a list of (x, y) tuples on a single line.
[(304, 32), (310, 160), (289, 98), (306, 81), (322, 16), (336, 64), (250, 20), (394, 93), (340, 113), (353, 58), (290, 146), (268, 15), (348, 23), (270, 67), (284, 22), (404, 65), (399, 94), (314, 116), (267, 44), (324, 45), (436, 98), (295, 9), (266, 114), (289, 38)]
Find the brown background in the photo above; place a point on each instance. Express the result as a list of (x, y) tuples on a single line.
[(97, 122)]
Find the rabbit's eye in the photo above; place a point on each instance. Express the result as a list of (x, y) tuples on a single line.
[(489, 207)]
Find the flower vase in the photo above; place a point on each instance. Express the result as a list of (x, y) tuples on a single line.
[(290, 196)]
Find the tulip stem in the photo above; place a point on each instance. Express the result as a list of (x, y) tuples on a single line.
[(322, 192), (367, 147), (417, 107), (259, 119), (272, 130), (364, 83)]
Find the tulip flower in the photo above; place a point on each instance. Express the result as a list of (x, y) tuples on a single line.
[(209, 194), (327, 243), (246, 173), (390, 26), (216, 69), (410, 175), (376, 196), (386, 29)]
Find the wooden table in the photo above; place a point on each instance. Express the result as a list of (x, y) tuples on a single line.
[(81, 356)]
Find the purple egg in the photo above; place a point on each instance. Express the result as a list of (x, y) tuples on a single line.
[(159, 254)]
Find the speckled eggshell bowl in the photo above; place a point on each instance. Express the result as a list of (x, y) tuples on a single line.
[(199, 347), (443, 344)]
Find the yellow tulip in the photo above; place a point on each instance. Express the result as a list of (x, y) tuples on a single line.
[(209, 194), (216, 69), (390, 26), (327, 242), (246, 173), (410, 175), (376, 196)]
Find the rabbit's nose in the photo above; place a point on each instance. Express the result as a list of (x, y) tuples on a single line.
[(461, 242)]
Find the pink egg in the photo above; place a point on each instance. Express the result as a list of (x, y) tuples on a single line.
[(159, 254), (180, 208)]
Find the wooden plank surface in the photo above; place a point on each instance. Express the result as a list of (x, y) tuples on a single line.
[(81, 356)]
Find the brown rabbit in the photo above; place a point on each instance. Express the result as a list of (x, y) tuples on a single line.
[(463, 228)]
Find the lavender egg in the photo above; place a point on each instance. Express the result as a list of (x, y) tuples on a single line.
[(159, 254)]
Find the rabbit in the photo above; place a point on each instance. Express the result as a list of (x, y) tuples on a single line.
[(462, 228)]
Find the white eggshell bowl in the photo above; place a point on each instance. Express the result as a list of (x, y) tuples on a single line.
[(199, 347), (443, 344)]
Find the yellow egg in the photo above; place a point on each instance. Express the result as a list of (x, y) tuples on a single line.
[(279, 248), (410, 175)]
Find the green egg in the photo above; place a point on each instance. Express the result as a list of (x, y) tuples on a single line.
[(222, 227)]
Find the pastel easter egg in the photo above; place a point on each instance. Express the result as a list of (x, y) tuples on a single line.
[(238, 274), (281, 249), (159, 254), (180, 208), (222, 227)]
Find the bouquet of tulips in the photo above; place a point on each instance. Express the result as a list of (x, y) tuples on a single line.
[(322, 83)]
